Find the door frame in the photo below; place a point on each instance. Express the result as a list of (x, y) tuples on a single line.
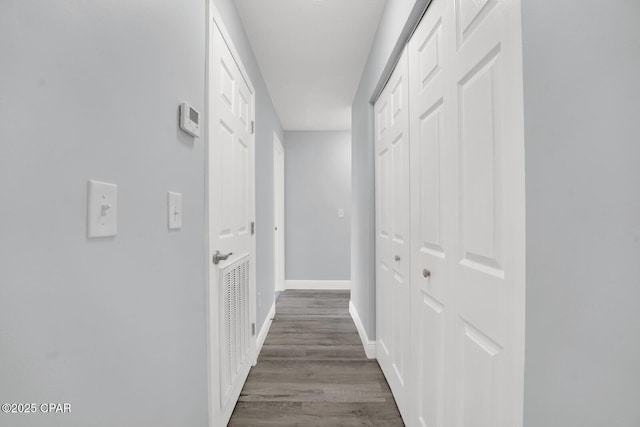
[(278, 250), (211, 298)]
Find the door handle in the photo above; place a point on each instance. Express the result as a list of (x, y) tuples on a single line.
[(426, 273), (217, 257), (397, 258)]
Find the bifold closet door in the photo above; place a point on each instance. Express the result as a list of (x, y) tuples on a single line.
[(488, 276), (431, 212), (392, 232), (467, 170)]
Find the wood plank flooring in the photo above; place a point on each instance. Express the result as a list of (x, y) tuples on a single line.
[(312, 370)]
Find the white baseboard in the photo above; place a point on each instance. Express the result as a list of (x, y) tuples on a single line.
[(264, 330), (318, 284), (369, 346)]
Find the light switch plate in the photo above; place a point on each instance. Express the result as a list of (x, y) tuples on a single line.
[(340, 213), (174, 204), (102, 209)]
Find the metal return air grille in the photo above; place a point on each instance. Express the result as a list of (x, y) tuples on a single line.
[(235, 323)]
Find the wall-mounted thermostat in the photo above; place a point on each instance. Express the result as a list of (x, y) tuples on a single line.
[(189, 120)]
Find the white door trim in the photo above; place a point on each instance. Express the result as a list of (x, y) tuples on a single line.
[(211, 298), (279, 249)]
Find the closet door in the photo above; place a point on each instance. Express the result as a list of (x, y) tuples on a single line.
[(392, 232), (431, 211), (467, 228), (488, 277)]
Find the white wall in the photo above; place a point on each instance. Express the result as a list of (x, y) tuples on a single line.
[(581, 68), (317, 184), (398, 19), (115, 327)]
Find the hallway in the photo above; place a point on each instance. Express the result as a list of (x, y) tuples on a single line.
[(312, 369), (403, 212)]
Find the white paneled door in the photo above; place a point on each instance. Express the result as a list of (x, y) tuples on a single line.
[(488, 268), (230, 184), (467, 215), (431, 212), (392, 232)]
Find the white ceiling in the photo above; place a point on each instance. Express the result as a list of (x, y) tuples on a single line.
[(311, 54)]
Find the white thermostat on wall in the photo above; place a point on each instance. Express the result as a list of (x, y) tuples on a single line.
[(189, 120)]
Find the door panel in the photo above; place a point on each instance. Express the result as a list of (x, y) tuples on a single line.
[(469, 15), (429, 350), (487, 286), (392, 232), (230, 175), (479, 381), (431, 229), (467, 215), (430, 215), (482, 225)]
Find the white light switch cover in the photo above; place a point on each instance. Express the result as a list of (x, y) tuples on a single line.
[(340, 213), (174, 203), (102, 209)]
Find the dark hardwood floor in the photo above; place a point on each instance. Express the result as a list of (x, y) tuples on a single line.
[(313, 371)]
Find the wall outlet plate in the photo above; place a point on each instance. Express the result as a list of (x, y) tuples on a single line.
[(102, 209)]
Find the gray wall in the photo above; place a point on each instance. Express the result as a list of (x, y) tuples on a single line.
[(317, 183), (398, 19), (581, 66), (116, 327)]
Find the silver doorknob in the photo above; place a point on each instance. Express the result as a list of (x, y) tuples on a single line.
[(426, 273), (397, 258), (217, 257)]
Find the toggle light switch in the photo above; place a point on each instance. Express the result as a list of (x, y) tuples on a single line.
[(102, 209), (105, 209), (174, 204)]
